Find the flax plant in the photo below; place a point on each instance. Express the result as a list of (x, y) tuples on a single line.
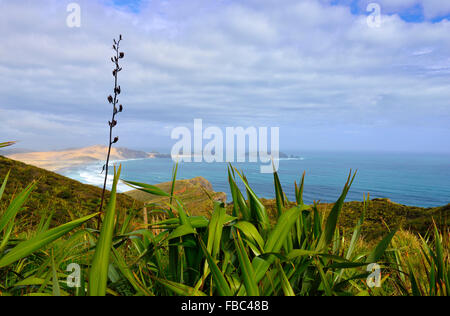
[(243, 253)]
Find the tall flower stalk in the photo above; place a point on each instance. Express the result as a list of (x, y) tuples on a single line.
[(114, 101)]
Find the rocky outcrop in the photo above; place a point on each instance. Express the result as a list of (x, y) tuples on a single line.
[(132, 154), (196, 194)]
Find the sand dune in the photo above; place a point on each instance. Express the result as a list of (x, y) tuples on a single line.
[(57, 160)]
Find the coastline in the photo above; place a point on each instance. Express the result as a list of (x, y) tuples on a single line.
[(58, 161), (91, 173)]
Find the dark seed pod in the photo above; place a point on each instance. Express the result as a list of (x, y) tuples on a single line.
[(114, 100)]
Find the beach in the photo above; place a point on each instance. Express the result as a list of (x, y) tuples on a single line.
[(66, 159)]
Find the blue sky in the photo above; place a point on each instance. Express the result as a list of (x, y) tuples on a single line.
[(314, 68), (411, 11), (133, 5)]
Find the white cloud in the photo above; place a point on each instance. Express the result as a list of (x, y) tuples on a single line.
[(225, 62)]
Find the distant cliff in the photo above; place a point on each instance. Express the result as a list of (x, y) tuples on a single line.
[(57, 160)]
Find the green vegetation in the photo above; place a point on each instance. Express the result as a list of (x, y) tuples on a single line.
[(6, 144), (380, 215), (53, 194), (296, 249)]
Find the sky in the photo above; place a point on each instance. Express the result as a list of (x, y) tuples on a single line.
[(314, 68)]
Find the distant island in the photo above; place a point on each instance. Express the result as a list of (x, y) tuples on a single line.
[(279, 154), (58, 160)]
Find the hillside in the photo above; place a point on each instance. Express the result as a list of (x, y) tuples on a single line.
[(196, 194), (57, 160), (382, 214), (66, 197)]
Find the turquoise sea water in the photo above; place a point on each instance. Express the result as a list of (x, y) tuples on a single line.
[(410, 179)]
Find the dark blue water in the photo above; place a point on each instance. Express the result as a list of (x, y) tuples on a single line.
[(410, 179)]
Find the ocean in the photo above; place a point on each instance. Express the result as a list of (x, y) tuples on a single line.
[(411, 179)]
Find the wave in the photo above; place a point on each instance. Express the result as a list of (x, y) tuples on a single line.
[(91, 174)]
